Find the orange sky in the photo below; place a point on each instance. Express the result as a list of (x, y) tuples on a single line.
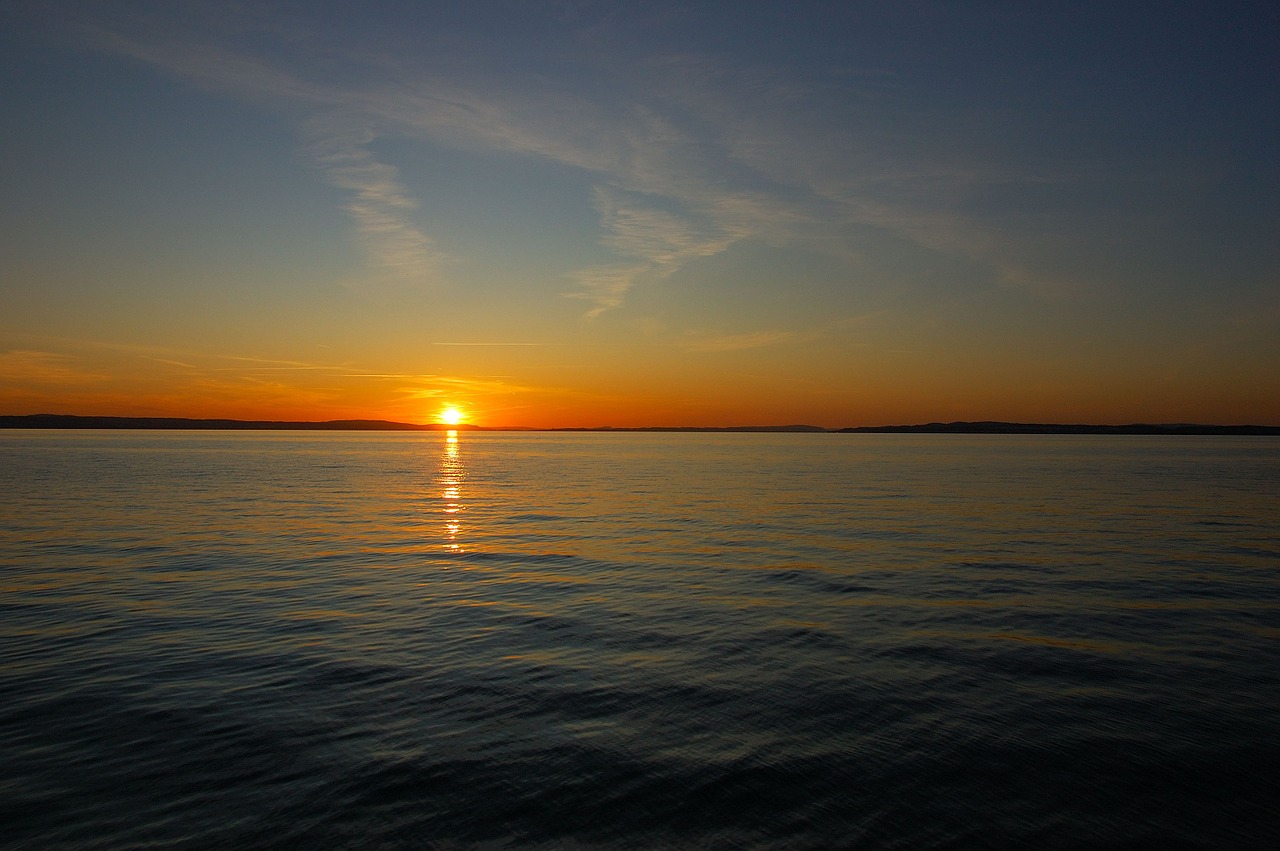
[(552, 386), (631, 218)]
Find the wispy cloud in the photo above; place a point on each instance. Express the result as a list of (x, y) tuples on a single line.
[(661, 194), (380, 206), (336, 137), (735, 342), (605, 286), (433, 386), (655, 241), (250, 392), (688, 155), (486, 343), (171, 362), (273, 363), (663, 238), (37, 367)]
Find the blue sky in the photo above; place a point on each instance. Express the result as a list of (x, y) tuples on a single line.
[(581, 213)]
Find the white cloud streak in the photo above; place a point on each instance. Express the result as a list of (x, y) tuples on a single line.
[(605, 286), (379, 205), (688, 156), (657, 196)]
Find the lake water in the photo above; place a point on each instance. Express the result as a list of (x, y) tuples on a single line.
[(266, 639)]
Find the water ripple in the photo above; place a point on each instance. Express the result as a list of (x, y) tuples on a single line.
[(626, 641)]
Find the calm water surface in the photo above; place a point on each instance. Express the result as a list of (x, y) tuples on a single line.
[(213, 639)]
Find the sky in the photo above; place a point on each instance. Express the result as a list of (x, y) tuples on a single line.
[(552, 214)]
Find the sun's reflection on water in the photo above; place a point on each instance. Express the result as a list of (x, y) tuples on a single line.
[(452, 474)]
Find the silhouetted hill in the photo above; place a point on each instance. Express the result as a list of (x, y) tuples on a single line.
[(987, 427), (780, 428), (59, 421), (71, 421)]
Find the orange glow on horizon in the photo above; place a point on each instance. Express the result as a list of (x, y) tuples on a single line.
[(676, 393)]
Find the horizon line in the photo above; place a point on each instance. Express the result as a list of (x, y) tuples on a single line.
[(81, 421)]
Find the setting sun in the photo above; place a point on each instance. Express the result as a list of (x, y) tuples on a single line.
[(450, 416)]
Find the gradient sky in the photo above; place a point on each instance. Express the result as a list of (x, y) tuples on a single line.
[(580, 213)]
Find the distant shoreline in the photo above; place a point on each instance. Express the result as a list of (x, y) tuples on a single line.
[(70, 421)]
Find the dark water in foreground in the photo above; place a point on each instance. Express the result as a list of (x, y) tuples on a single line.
[(638, 641)]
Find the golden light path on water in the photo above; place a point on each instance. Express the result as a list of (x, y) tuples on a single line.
[(451, 478)]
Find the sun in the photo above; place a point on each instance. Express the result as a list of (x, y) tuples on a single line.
[(450, 416)]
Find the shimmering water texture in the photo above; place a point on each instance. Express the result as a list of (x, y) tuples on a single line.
[(638, 641)]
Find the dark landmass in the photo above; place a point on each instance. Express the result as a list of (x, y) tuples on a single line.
[(48, 421), (1060, 428), (70, 421), (781, 428), (73, 421)]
